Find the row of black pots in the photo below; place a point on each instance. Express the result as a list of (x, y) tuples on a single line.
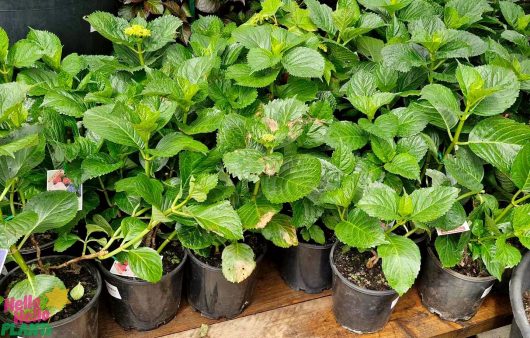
[(451, 295), (142, 306), (145, 306)]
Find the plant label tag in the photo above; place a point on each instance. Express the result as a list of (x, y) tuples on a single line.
[(56, 180), (122, 269), (113, 291), (3, 256), (463, 228), (486, 292), (394, 302)]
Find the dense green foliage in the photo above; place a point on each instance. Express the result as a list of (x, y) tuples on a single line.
[(379, 120)]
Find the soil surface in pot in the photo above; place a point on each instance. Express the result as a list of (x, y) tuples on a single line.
[(526, 303), (352, 265), (469, 267), (328, 234), (255, 242), (171, 257), (71, 276), (41, 239)]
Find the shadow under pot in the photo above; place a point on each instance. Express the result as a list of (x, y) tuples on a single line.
[(519, 285), (449, 294), (306, 267), (358, 309), (81, 324), (140, 305), (215, 297)]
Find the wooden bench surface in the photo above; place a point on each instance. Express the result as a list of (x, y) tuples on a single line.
[(278, 311)]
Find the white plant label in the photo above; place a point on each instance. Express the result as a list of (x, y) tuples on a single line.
[(394, 302), (463, 228), (486, 292), (3, 256), (122, 269), (113, 291)]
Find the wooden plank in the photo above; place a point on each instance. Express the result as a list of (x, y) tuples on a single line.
[(314, 318), (278, 311)]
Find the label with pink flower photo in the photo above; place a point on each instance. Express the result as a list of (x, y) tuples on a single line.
[(57, 180)]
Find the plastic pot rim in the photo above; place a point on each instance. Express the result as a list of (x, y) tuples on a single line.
[(516, 288), (350, 284), (32, 250), (85, 309), (314, 246), (456, 274), (130, 281), (213, 268)]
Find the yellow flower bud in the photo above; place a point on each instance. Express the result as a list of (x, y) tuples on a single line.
[(137, 31)]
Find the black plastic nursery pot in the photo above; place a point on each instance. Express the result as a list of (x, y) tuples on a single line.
[(449, 294), (140, 305), (306, 267), (62, 17), (84, 323), (520, 283), (212, 295), (358, 309), (30, 252)]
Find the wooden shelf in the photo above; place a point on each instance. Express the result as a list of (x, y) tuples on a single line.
[(277, 311)]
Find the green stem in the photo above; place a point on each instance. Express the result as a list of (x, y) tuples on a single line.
[(411, 232), (131, 242), (341, 213), (22, 264), (5, 73), (112, 239), (397, 225), (22, 199), (140, 212), (513, 203), (183, 214), (166, 242), (467, 194), (85, 243), (105, 193), (5, 191), (494, 237), (12, 201), (140, 54), (457, 135), (138, 237), (181, 204), (256, 189), (147, 164)]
